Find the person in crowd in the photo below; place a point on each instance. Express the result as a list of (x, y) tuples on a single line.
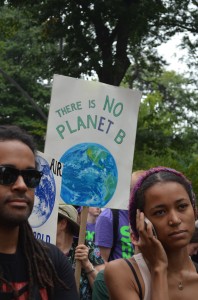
[(100, 291), (88, 253), (29, 269), (112, 234), (193, 245), (163, 269), (93, 213), (194, 256)]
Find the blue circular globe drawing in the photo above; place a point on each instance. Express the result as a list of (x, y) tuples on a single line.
[(89, 176), (45, 195)]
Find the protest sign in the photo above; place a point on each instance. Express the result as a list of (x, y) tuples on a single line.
[(91, 130), (43, 218)]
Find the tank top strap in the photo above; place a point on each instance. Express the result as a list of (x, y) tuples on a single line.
[(136, 277), (145, 274)]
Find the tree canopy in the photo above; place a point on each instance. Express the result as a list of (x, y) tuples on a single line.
[(115, 41), (106, 37), (23, 65)]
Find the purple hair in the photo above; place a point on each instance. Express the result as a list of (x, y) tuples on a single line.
[(148, 179)]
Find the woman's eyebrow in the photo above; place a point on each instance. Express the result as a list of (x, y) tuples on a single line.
[(158, 206), (164, 205)]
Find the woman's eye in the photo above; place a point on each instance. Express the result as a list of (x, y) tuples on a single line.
[(159, 213), (183, 206)]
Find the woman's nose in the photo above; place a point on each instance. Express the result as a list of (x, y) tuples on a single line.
[(174, 219)]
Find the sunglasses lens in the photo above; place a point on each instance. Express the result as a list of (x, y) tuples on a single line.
[(31, 177), (8, 175)]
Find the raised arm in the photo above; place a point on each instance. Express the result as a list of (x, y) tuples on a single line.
[(156, 258), (91, 264)]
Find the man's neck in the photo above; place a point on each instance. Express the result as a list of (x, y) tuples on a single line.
[(91, 219), (64, 242), (9, 239)]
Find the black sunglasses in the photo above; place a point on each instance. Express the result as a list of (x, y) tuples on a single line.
[(9, 175)]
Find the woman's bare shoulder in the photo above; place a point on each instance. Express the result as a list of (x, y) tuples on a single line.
[(118, 274), (120, 262), (120, 268), (115, 264)]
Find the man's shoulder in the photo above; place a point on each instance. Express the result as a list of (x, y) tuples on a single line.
[(55, 254), (49, 247), (106, 213)]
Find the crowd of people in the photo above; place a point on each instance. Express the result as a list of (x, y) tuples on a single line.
[(148, 252)]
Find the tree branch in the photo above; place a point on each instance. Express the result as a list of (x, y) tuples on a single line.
[(24, 93)]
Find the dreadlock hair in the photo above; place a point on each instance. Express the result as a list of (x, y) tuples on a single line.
[(41, 270), (40, 267), (148, 179)]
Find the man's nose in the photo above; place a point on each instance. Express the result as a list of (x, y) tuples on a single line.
[(20, 183)]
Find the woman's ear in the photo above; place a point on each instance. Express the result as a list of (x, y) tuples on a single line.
[(134, 242), (133, 238)]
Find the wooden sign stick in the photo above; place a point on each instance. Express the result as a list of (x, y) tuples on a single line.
[(81, 240)]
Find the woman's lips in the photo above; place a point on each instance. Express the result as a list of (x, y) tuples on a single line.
[(178, 232)]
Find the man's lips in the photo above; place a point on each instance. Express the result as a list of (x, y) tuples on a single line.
[(18, 202), (177, 232)]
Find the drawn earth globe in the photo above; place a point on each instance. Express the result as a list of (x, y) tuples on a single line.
[(89, 176), (45, 195)]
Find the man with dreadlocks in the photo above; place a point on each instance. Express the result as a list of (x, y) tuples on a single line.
[(163, 269), (29, 269)]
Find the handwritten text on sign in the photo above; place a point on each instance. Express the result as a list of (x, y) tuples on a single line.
[(91, 131), (95, 122)]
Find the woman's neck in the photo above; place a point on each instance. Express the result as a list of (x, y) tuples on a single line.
[(178, 260)]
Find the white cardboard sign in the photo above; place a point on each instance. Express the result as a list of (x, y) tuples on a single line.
[(91, 131), (43, 218)]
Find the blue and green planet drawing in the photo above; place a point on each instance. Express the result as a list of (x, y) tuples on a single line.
[(45, 195), (89, 176)]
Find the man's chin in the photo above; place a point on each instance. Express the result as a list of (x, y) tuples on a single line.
[(13, 221)]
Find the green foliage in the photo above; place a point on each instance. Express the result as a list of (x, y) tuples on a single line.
[(183, 162), (106, 37), (167, 125), (115, 40), (23, 58)]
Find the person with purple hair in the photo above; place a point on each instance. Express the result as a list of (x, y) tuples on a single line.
[(163, 269)]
